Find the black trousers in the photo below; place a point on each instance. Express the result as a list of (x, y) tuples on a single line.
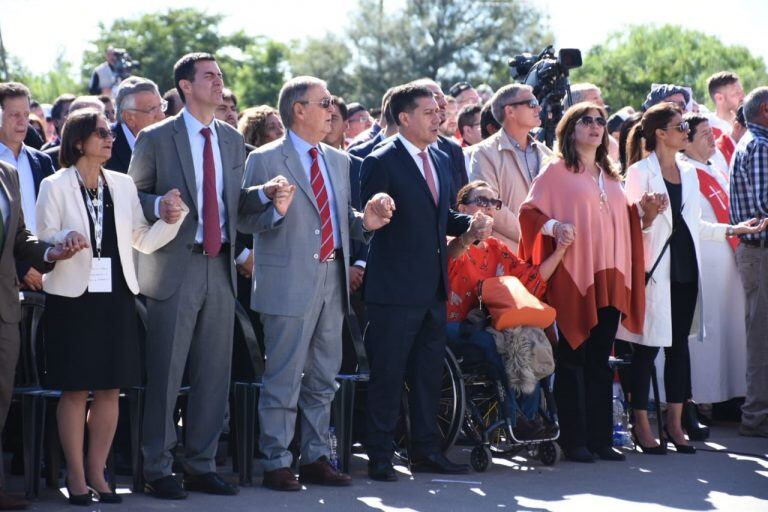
[(584, 385), (404, 342), (677, 360)]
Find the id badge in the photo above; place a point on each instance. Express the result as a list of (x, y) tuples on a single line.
[(100, 280)]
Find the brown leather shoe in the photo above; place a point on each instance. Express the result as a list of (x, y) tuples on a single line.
[(281, 479), (322, 473), (11, 502)]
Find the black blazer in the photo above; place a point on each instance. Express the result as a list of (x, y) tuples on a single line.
[(121, 151), (364, 149), (358, 249), (458, 165), (407, 258), (42, 167)]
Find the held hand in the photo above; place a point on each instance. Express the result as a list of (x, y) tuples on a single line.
[(33, 280), (564, 233), (750, 227), (73, 243), (274, 185), (283, 197), (480, 226), (378, 211), (355, 278), (171, 206), (245, 268)]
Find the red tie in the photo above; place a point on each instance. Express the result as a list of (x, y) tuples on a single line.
[(428, 175), (211, 227), (321, 196)]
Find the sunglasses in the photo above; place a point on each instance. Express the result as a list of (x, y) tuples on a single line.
[(485, 202), (103, 133), (324, 103), (683, 127), (589, 121), (531, 103)]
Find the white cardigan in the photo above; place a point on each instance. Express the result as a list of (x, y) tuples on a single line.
[(60, 209), (645, 176)]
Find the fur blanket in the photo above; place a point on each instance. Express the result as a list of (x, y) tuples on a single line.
[(527, 356)]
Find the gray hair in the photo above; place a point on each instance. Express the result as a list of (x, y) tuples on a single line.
[(295, 90), (504, 96), (87, 102), (126, 92), (578, 91), (752, 103)]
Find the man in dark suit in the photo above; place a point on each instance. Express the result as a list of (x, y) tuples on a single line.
[(405, 286), (31, 165), (139, 105), (363, 144), (16, 244)]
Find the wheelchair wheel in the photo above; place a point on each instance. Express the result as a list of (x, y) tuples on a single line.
[(480, 458), (487, 410), (549, 453), (450, 414)]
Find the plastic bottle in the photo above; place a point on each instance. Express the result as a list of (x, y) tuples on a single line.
[(333, 444), (621, 437)]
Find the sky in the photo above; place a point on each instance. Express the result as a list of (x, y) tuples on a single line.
[(36, 31)]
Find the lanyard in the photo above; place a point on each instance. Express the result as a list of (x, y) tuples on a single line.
[(95, 210)]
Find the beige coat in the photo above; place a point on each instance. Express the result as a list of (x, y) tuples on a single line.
[(495, 161)]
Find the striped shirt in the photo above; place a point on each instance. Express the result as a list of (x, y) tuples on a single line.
[(749, 180)]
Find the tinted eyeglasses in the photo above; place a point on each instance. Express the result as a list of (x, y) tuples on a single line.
[(484, 202), (103, 133), (683, 127), (589, 121), (531, 103), (324, 103)]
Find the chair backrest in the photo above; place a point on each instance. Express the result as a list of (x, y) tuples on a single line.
[(31, 331), (356, 335), (244, 327)]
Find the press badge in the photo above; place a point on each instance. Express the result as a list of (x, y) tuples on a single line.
[(100, 280)]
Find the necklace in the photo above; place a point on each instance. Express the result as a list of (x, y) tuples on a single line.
[(600, 182)]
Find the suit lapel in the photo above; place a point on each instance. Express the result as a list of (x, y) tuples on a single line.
[(4, 178), (231, 183), (657, 183), (181, 139), (444, 177), (296, 170), (410, 166), (37, 170), (77, 196)]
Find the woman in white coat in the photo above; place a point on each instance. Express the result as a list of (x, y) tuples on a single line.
[(675, 286), (719, 364), (90, 315)]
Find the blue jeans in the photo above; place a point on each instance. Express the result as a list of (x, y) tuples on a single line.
[(528, 404)]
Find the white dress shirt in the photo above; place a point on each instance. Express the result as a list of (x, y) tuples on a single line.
[(129, 137), (26, 183), (414, 152)]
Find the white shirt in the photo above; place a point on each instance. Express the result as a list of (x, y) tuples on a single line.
[(197, 145), (302, 148), (414, 152), (130, 137), (26, 183)]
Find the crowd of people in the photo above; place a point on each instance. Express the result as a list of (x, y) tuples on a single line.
[(644, 229)]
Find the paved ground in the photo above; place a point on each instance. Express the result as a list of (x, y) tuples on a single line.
[(732, 477)]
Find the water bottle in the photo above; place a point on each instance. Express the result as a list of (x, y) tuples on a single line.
[(621, 437), (333, 444)]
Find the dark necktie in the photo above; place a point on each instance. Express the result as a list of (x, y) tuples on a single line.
[(211, 227), (321, 196)]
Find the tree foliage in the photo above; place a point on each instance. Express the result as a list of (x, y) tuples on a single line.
[(45, 87), (328, 58), (628, 63)]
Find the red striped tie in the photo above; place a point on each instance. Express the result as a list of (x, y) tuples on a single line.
[(321, 196)]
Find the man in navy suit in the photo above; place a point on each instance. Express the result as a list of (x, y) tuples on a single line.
[(31, 164), (405, 286)]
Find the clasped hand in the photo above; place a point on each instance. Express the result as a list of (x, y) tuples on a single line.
[(171, 206), (73, 243), (480, 226), (280, 192), (564, 234), (652, 204), (378, 211)]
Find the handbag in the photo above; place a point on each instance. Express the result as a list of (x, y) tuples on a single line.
[(511, 305)]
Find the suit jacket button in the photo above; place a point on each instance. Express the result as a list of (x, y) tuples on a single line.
[(317, 231), (315, 256)]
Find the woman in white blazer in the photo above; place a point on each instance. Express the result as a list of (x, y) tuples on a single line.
[(90, 327), (674, 288)]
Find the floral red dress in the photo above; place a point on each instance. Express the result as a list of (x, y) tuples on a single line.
[(477, 264)]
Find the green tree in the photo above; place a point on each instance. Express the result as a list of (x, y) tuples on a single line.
[(257, 75), (628, 63), (447, 40), (45, 87), (329, 58)]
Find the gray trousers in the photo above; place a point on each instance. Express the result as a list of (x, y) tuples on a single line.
[(303, 357), (753, 267), (9, 356), (195, 327)]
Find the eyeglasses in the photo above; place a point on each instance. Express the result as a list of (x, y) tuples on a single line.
[(324, 103), (531, 103), (484, 202), (103, 133), (683, 127), (589, 121), (162, 107)]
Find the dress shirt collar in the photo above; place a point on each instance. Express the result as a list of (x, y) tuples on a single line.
[(194, 126), (129, 136), (302, 146), (758, 130), (529, 140), (411, 147), (7, 152)]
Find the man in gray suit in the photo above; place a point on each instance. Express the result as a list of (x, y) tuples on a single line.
[(300, 284), (190, 283)]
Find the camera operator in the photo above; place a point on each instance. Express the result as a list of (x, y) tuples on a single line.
[(105, 76)]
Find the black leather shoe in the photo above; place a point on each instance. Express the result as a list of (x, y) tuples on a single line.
[(382, 471), (165, 488), (436, 462), (579, 454), (609, 453), (210, 483)]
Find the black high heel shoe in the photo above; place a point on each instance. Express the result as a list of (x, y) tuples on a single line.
[(696, 430), (82, 500), (105, 497), (681, 448), (650, 450)]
